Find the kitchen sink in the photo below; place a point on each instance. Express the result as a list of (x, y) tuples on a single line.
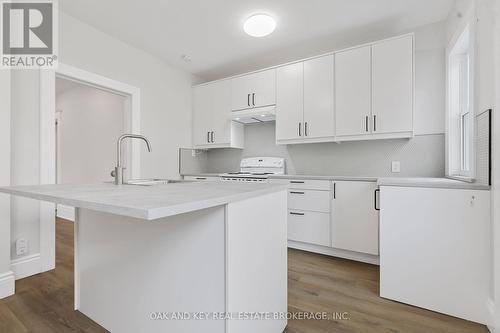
[(154, 181)]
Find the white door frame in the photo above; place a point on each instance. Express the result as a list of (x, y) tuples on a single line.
[(48, 140)]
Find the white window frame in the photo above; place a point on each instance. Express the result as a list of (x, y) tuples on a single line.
[(460, 136)]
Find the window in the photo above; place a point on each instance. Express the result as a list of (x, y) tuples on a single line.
[(460, 129)]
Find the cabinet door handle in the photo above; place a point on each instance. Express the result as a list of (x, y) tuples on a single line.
[(305, 129), (335, 190), (296, 182), (212, 136), (295, 192), (248, 99), (300, 214), (253, 99), (366, 123), (200, 178), (208, 137), (300, 129), (374, 123), (375, 199)]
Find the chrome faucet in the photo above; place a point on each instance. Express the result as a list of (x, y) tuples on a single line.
[(118, 172)]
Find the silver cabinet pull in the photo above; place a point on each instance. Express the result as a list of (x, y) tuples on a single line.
[(208, 137), (300, 129), (305, 129), (248, 99), (212, 137), (335, 190), (366, 123), (296, 182), (374, 123), (295, 192), (253, 99)]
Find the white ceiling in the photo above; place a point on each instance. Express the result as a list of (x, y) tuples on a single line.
[(211, 33)]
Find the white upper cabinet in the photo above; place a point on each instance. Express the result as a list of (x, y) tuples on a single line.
[(361, 93), (220, 122), (374, 90), (202, 108), (290, 102), (392, 73), (254, 90), (304, 102), (319, 117), (212, 126), (353, 91)]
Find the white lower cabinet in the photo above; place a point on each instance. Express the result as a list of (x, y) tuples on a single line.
[(355, 225), (435, 249), (336, 218), (312, 200), (309, 227)]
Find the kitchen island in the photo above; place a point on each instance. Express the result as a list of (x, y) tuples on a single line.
[(179, 257)]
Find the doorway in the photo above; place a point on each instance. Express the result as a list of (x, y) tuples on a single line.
[(48, 140), (88, 121)]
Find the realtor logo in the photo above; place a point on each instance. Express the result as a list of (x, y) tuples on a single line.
[(28, 34)]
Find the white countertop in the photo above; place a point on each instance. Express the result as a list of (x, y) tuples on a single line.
[(339, 178), (430, 182), (433, 182), (145, 202)]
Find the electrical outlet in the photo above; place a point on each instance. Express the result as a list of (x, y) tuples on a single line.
[(396, 166), (21, 246)]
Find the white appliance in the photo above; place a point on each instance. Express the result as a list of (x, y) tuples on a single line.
[(256, 169)]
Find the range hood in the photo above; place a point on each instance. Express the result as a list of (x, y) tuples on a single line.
[(255, 115)]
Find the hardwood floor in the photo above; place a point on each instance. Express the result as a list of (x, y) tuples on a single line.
[(44, 303), (319, 283)]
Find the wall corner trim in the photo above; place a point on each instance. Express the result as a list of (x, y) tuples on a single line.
[(494, 326), (7, 284), (26, 266)]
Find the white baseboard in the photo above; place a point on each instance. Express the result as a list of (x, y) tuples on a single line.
[(26, 266), (7, 284), (329, 251), (66, 212)]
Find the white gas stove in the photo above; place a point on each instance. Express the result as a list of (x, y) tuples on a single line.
[(256, 169)]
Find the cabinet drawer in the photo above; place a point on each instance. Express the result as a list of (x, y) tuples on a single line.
[(310, 200), (323, 185), (309, 227)]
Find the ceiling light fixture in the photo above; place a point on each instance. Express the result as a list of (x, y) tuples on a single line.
[(259, 25)]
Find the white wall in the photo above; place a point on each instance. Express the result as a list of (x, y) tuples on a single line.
[(90, 122), (430, 75), (6, 283), (496, 175), (483, 13), (496, 168), (422, 156), (25, 157), (165, 91), (165, 109)]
